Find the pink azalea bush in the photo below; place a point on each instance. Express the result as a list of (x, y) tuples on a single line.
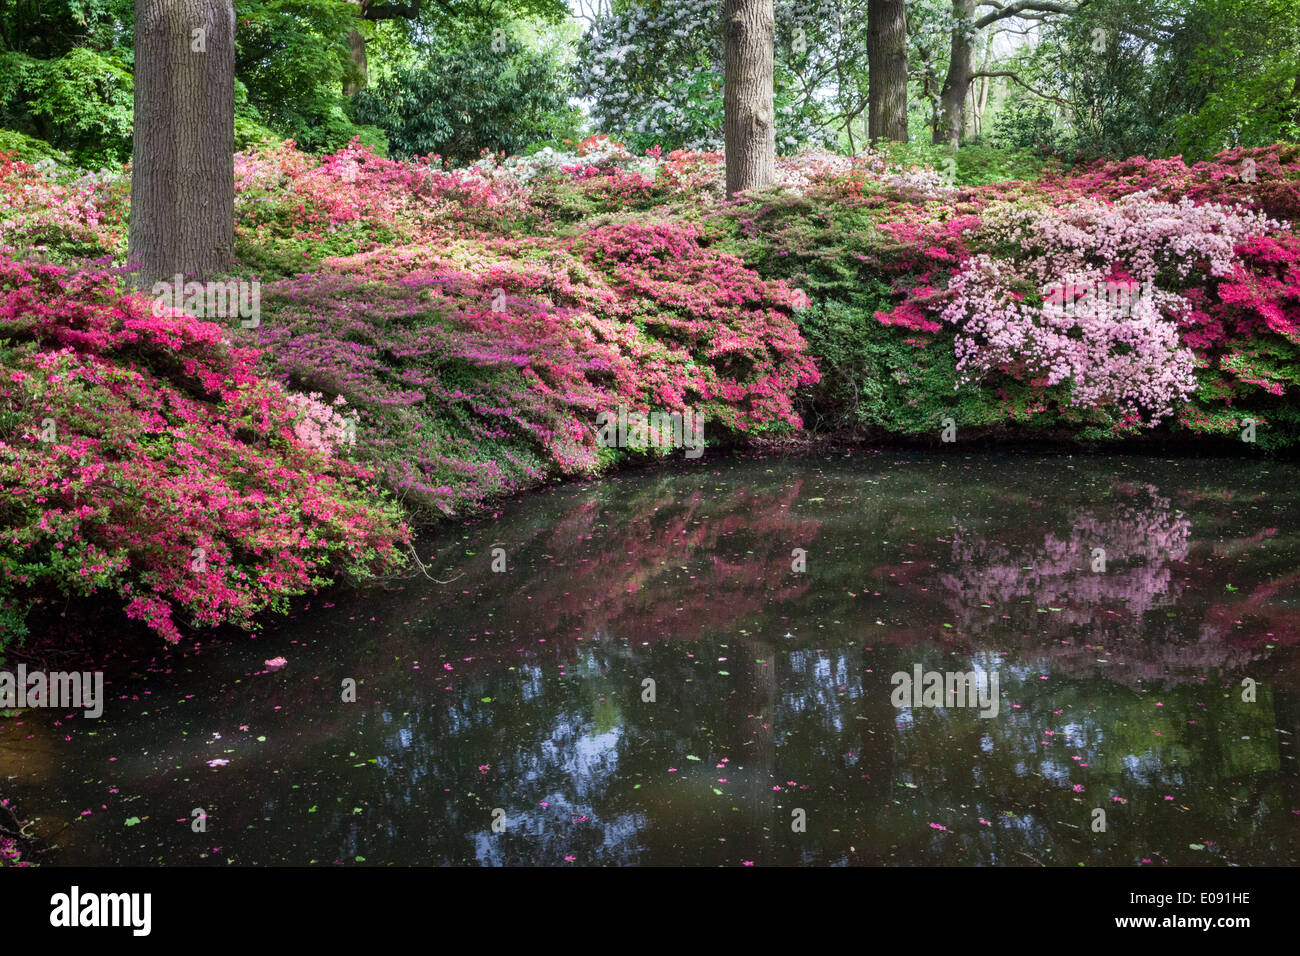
[(45, 209), (143, 456), (1023, 310), (480, 369)]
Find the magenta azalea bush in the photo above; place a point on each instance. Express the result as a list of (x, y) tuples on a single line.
[(144, 457), (480, 369)]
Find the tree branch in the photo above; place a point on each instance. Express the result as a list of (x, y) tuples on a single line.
[(1019, 81), (1001, 12)]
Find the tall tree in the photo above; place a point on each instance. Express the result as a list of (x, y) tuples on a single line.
[(749, 117), (961, 71), (183, 172), (956, 84), (887, 70)]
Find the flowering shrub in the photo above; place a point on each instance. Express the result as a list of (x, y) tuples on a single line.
[(466, 325), (320, 426), (1265, 178), (481, 369), (450, 334), (142, 455), (48, 209), (917, 289), (1022, 312)]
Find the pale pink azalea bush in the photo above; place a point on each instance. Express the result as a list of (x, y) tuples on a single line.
[(319, 425), (1024, 310)]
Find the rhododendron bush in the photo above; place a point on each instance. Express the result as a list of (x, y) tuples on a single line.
[(1038, 310), (1131, 295), (143, 456)]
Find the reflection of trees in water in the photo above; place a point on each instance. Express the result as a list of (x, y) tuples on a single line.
[(831, 727), (1018, 770), (563, 722)]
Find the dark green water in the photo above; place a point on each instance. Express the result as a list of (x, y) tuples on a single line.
[(1119, 689)]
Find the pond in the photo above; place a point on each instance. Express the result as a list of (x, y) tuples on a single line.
[(658, 677)]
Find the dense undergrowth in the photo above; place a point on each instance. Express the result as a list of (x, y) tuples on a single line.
[(432, 338)]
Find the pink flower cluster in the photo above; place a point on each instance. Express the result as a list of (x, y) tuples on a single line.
[(150, 460), (1022, 312)]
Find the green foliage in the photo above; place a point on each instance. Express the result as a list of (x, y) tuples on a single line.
[(48, 29), (875, 376), (653, 72), (462, 99), (974, 164), (80, 102), (1027, 124), (1248, 64), (249, 132), (292, 58), (28, 148), (1159, 78)]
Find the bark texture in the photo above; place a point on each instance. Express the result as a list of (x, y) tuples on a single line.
[(357, 53), (887, 70), (750, 120), (952, 98), (183, 171)]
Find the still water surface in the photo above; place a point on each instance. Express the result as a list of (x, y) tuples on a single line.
[(524, 691)]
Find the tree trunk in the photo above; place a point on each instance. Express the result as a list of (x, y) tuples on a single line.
[(981, 97), (749, 123), (956, 84), (887, 70), (357, 52), (183, 171)]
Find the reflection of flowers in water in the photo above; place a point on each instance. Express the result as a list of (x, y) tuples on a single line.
[(663, 560), (1140, 542)]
